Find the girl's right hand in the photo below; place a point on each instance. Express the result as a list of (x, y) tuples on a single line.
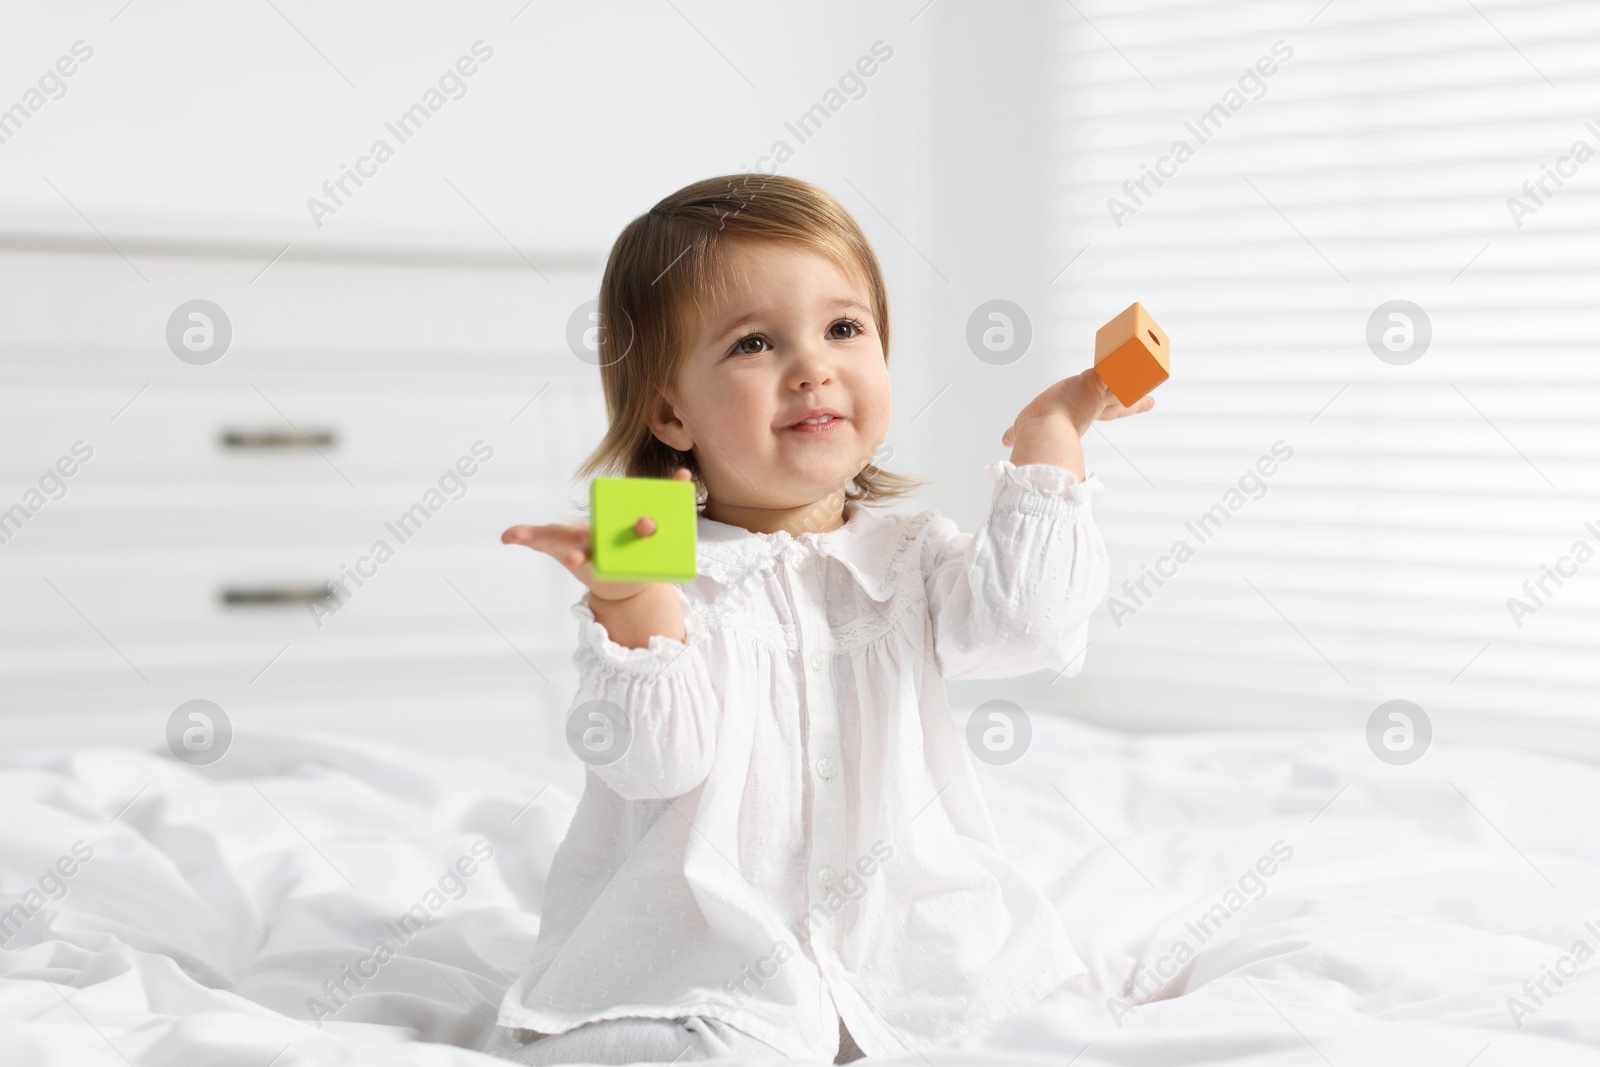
[(571, 545)]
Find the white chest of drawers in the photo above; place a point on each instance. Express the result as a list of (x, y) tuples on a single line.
[(182, 557)]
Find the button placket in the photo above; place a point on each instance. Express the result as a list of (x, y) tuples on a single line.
[(828, 815)]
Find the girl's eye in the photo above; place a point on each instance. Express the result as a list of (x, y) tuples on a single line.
[(852, 329)]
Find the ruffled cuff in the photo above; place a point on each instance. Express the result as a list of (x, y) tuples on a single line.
[(662, 655), (1041, 488)]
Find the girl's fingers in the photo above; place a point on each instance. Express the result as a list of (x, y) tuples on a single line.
[(567, 543), (542, 538), (1140, 406), (519, 535), (576, 559)]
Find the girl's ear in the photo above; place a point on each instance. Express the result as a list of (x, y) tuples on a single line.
[(669, 429)]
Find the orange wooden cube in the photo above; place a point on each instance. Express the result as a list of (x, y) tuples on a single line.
[(1130, 354)]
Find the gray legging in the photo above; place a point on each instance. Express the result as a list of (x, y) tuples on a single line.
[(683, 1040)]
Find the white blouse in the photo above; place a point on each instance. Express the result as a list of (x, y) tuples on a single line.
[(795, 833)]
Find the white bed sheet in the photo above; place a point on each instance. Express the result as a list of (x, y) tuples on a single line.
[(1417, 900)]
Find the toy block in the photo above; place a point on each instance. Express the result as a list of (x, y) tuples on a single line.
[(1131, 354), (620, 554)]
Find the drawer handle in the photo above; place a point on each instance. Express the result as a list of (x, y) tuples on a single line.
[(268, 439), (259, 596)]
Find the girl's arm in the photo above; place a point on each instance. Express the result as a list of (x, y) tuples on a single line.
[(1015, 597), (663, 687), (640, 650), (633, 620)]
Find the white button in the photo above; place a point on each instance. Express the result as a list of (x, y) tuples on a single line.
[(825, 877), (816, 661), (826, 767), (798, 562)]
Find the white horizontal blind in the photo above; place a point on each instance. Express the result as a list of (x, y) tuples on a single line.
[(1358, 153)]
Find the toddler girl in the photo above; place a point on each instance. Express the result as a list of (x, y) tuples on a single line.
[(791, 855)]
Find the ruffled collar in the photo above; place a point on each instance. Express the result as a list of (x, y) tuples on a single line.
[(873, 546)]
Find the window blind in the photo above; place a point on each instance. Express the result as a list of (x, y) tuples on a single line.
[(1370, 231)]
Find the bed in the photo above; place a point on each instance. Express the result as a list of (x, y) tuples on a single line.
[(1240, 898)]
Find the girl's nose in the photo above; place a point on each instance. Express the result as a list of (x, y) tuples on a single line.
[(813, 368)]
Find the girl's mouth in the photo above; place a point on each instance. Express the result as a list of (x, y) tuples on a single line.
[(822, 426)]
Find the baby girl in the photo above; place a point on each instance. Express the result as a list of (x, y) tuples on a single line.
[(791, 856)]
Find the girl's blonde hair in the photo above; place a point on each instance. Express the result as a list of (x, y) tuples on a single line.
[(664, 270)]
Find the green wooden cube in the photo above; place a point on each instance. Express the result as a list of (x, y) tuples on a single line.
[(620, 554)]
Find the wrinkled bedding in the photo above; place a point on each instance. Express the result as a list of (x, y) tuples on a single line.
[(1240, 898)]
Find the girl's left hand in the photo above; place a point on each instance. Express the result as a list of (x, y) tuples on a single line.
[(1082, 398)]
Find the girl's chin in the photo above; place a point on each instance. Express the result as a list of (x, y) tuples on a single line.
[(824, 480)]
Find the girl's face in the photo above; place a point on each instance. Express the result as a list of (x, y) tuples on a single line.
[(797, 336)]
